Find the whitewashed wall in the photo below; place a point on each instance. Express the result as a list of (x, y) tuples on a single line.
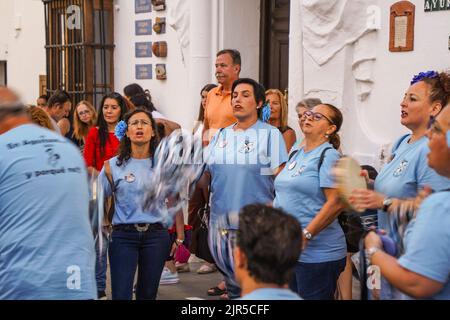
[(23, 49), (169, 96), (376, 121)]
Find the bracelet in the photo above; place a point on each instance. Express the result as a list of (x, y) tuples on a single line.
[(179, 241)]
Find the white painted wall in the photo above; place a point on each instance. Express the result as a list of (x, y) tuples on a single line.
[(238, 27), (376, 121), (240, 30), (23, 50), (169, 96)]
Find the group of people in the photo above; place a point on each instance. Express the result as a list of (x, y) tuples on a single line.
[(289, 243)]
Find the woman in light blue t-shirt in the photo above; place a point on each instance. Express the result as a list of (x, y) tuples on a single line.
[(407, 172), (140, 237), (244, 158), (423, 271), (305, 189)]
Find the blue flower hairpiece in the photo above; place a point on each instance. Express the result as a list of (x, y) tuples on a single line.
[(121, 129), (424, 75), (265, 113)]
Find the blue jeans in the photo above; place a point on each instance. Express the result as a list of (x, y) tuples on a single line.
[(317, 281), (101, 262), (147, 251)]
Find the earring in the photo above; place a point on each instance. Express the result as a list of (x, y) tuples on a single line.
[(327, 135)]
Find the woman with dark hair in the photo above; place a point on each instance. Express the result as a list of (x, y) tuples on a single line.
[(101, 144), (305, 189), (142, 99), (407, 173), (244, 158), (199, 197), (201, 109), (140, 238)]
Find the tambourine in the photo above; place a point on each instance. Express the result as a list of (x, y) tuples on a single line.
[(348, 178)]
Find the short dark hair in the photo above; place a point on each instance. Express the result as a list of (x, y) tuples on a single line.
[(271, 240), (258, 90), (59, 97), (235, 55), (44, 96)]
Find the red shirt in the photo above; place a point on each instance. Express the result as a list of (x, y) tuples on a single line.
[(92, 154)]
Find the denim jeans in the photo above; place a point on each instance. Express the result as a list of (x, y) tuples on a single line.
[(101, 262), (145, 250), (234, 292), (317, 281)]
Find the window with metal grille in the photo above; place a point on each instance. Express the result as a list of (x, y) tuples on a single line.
[(80, 48)]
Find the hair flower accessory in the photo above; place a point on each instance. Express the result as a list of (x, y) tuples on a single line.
[(121, 129), (265, 114), (424, 75)]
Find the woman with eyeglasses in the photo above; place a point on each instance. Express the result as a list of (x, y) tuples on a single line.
[(85, 117), (244, 158), (140, 237), (408, 172), (279, 116), (305, 188)]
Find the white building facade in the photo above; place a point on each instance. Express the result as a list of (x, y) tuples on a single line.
[(338, 51)]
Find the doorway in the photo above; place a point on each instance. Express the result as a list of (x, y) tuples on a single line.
[(274, 44)]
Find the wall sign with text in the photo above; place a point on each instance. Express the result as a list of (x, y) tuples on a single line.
[(144, 27), (401, 31), (143, 71), (142, 6), (143, 49), (436, 5)]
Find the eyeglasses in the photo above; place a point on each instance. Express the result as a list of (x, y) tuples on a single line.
[(434, 127), (316, 116), (143, 123), (82, 113)]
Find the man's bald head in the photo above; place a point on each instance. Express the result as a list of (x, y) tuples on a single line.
[(9, 100)]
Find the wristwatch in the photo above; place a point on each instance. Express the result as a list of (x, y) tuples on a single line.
[(179, 241), (371, 251), (307, 234), (386, 204)]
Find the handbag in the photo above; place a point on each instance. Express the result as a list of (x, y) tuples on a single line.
[(201, 235), (353, 229), (182, 254)]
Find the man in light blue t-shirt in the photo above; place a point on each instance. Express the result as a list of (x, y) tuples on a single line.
[(423, 271), (268, 245), (46, 242)]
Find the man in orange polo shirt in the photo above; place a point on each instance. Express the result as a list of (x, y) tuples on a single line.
[(218, 110)]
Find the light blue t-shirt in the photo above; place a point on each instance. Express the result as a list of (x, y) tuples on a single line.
[(241, 165), (299, 192), (130, 186), (46, 243), (428, 244), (404, 176), (271, 294)]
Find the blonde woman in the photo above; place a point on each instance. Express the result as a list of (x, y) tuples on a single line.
[(84, 118), (40, 117), (279, 116)]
